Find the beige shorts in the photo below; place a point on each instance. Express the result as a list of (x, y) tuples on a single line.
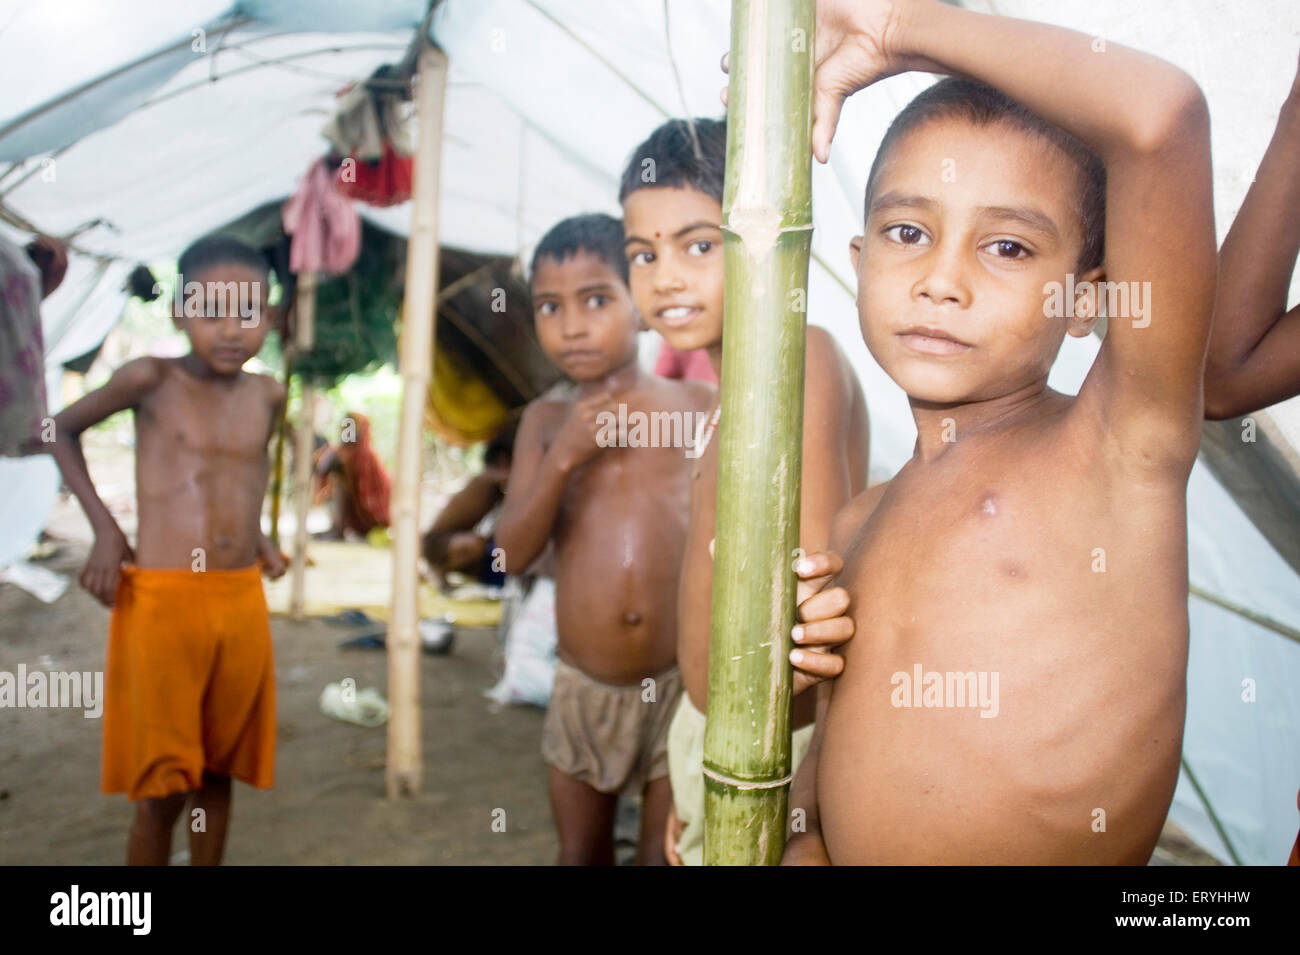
[(686, 768), (611, 737)]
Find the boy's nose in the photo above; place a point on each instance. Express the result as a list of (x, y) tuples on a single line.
[(572, 326), (943, 281)]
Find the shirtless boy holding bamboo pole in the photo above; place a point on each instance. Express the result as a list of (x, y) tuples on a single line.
[(190, 694), (673, 225), (1015, 692)]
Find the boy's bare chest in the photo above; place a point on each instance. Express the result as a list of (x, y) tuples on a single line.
[(187, 421), (963, 548), (1007, 619), (621, 487)]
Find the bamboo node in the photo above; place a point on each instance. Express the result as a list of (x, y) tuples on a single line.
[(747, 784), (759, 228)]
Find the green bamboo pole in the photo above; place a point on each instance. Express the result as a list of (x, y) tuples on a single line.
[(767, 222)]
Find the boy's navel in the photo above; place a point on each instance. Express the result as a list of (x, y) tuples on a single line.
[(989, 505), (631, 618)]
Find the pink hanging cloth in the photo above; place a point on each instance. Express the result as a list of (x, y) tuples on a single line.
[(325, 228)]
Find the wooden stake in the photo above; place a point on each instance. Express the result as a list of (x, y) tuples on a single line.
[(767, 223), (405, 765), (304, 339)]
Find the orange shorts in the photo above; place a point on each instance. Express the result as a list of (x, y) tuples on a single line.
[(190, 682)]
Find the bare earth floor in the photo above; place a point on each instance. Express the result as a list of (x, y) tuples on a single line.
[(328, 805)]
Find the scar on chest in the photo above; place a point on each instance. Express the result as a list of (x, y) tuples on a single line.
[(989, 504)]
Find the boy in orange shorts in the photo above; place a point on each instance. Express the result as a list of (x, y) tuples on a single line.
[(190, 697)]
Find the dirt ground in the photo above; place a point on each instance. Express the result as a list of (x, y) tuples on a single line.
[(328, 805)]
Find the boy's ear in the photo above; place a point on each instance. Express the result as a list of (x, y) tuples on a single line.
[(855, 250), (1087, 303)]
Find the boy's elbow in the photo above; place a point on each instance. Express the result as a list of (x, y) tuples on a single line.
[(1227, 390), (64, 434), (516, 554), (1223, 401), (1177, 116)]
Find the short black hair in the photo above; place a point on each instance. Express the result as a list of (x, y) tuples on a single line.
[(214, 250), (595, 232), (674, 156), (982, 105)]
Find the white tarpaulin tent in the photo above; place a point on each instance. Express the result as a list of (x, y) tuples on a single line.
[(164, 121)]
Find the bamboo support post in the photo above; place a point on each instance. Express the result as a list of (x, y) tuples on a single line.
[(304, 339), (767, 223), (405, 769)]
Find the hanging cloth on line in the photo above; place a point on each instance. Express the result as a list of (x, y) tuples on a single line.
[(383, 183), (325, 228)]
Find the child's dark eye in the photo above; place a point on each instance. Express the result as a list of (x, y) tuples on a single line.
[(642, 258), (546, 308), (1007, 249), (597, 301), (703, 245), (906, 234)]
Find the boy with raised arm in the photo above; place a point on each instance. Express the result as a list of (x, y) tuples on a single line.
[(190, 694), (1016, 691), (673, 225)]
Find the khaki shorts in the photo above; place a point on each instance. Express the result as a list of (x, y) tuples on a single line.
[(686, 768), (613, 738)]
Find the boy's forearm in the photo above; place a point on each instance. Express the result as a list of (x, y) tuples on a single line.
[(1083, 84), (526, 521), (467, 506), (72, 465), (1259, 252)]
